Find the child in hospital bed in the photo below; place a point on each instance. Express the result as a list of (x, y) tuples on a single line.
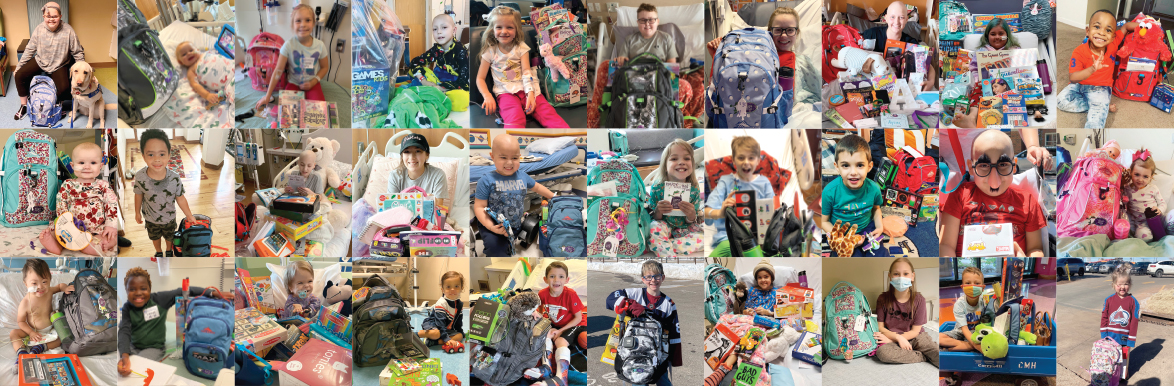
[(33, 314), (90, 200), (503, 191), (299, 281), (746, 153), (143, 329), (208, 74), (305, 57), (648, 40), (515, 88)]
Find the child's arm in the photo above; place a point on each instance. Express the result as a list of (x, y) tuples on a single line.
[(876, 222), (949, 237), (479, 211), (139, 208), (531, 90), (542, 191), (278, 72), (182, 202), (722, 189), (489, 105), (1035, 247), (1085, 73), (199, 88), (1104, 317), (571, 324), (1136, 314), (323, 68), (60, 287)]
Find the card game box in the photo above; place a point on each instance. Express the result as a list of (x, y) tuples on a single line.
[(809, 348), (485, 316), (989, 240), (294, 229), (432, 243), (745, 209)]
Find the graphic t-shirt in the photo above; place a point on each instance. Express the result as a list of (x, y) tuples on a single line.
[(973, 207), (1082, 58), (963, 311), (563, 308), (505, 194), (158, 195), (506, 68), (853, 206), (901, 318), (303, 61)]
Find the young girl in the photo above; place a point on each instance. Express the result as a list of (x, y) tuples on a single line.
[(761, 299), (208, 74), (1144, 198), (514, 86), (997, 36), (678, 235), (900, 314), (306, 56), (142, 330), (299, 281), (444, 323), (414, 170)]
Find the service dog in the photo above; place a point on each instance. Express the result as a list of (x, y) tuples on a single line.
[(87, 96)]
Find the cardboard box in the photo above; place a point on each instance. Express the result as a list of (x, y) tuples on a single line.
[(256, 330), (319, 363), (296, 230), (296, 216), (719, 345), (259, 292), (296, 203), (432, 243), (990, 240), (483, 319), (809, 348), (51, 369), (795, 294)]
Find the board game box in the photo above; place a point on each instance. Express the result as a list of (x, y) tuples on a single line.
[(256, 330)]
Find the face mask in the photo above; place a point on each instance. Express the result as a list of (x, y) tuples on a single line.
[(303, 293), (901, 283), (972, 291)]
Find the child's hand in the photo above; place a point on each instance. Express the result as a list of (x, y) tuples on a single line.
[(124, 366), (620, 60), (190, 219), (264, 100), (875, 233), (729, 202), (1019, 251), (731, 360), (490, 106), (552, 334), (139, 217), (881, 338), (309, 84), (212, 99), (68, 289), (530, 104), (664, 207), (34, 336), (748, 311), (227, 296), (689, 211), (497, 228), (763, 311), (305, 191), (296, 309), (110, 235), (904, 343), (713, 45)]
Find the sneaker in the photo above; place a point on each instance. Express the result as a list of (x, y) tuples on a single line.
[(24, 109), (170, 253), (123, 242), (158, 254)]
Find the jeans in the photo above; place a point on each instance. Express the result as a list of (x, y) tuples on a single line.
[(1079, 98), (495, 245)]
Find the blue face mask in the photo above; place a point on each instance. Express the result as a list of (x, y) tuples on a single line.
[(901, 283)]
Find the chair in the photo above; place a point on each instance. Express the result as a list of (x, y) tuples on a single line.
[(4, 70)]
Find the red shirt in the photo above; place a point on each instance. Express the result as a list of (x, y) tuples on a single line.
[(787, 59), (563, 308), (1082, 59), (973, 207)]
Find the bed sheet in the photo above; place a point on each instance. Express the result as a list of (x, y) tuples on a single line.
[(549, 161), (455, 170), (247, 97), (456, 364), (184, 108), (16, 243)]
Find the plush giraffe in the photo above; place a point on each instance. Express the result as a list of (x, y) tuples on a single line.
[(843, 239)]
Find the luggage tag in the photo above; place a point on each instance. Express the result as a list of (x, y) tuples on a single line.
[(575, 94), (611, 246), (859, 323)]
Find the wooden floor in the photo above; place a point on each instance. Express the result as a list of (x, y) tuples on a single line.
[(209, 192)]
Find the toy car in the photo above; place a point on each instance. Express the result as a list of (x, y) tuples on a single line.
[(453, 347)]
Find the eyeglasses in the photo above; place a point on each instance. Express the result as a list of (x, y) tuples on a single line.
[(790, 31), (647, 21), (983, 169), (653, 278)]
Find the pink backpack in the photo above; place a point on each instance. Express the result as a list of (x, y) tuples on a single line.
[(264, 51), (1104, 369), (1090, 202)]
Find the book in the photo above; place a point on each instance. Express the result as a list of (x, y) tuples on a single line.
[(333, 116), (893, 47), (747, 374), (320, 364), (719, 345), (677, 193), (287, 116), (613, 339), (314, 114), (403, 366)]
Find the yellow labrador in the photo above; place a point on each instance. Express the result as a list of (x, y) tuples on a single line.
[(87, 96)]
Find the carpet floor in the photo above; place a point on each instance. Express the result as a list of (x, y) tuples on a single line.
[(1130, 114)]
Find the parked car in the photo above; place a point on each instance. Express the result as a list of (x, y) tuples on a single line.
[(1161, 268), (1073, 265), (1140, 268)]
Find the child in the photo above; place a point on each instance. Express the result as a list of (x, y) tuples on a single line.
[(142, 330), (565, 311), (307, 57), (784, 29), (761, 299), (852, 198), (414, 170), (674, 236), (444, 325), (503, 191), (746, 154), (32, 316), (90, 199), (308, 167), (1144, 198), (516, 88), (715, 378), (967, 309), (447, 59), (638, 301), (649, 39), (207, 74), (1091, 70), (158, 190), (997, 36), (900, 314), (991, 198), (1120, 313), (299, 281)]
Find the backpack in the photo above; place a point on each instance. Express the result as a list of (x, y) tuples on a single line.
[(566, 92), (835, 38), (563, 234), (566, 40), (92, 315), (915, 172), (843, 305), (207, 340), (1090, 201), (1104, 367), (516, 345), (954, 21), (642, 351), (607, 239), (745, 92), (192, 239), (1036, 17), (264, 50), (720, 298), (145, 72), (785, 234), (382, 327), (29, 180), (643, 95), (43, 108), (743, 240), (245, 216)]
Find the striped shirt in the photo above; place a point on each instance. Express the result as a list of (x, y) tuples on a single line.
[(1119, 319), (52, 49)]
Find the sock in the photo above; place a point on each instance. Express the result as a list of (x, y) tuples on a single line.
[(563, 357), (37, 349)]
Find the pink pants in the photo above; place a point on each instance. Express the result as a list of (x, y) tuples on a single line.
[(315, 93), (513, 111)]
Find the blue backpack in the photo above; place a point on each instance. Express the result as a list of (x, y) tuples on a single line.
[(563, 234), (627, 240), (208, 336), (745, 92), (43, 108), (29, 180), (720, 298)]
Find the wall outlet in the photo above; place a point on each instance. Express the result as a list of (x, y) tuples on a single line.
[(340, 46), (612, 7)]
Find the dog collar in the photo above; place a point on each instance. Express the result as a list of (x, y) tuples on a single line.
[(91, 94)]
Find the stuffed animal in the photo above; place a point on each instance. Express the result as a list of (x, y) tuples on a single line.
[(858, 61), (777, 347), (844, 239), (740, 297), (1147, 38), (325, 149), (554, 62), (992, 342)]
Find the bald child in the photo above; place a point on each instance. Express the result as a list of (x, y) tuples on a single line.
[(503, 191), (448, 59), (308, 168), (990, 198)]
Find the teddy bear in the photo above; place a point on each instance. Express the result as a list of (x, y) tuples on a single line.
[(858, 61), (778, 346), (325, 149), (1146, 39)]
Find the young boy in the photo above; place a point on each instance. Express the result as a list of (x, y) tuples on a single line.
[(32, 316), (990, 198), (649, 39), (638, 301), (853, 198), (565, 311), (966, 313), (503, 191), (448, 60), (89, 199), (142, 330), (746, 153), (1119, 314), (1091, 70), (158, 190)]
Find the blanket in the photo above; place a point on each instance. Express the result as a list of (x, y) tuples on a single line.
[(187, 109), (1101, 246)]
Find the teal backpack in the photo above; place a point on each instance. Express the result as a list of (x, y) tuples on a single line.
[(719, 292), (609, 239), (843, 305), (954, 21), (29, 180)]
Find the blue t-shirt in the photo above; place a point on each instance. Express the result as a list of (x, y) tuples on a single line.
[(851, 206), (505, 194), (730, 183)]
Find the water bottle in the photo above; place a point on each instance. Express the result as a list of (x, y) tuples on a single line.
[(803, 279), (62, 328)]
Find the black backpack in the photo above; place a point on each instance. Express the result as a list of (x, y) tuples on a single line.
[(743, 242), (146, 77), (642, 97), (785, 235), (383, 329)]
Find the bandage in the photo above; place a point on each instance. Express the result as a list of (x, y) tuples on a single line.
[(526, 79)]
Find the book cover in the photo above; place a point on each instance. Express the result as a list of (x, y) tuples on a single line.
[(613, 339), (314, 114), (719, 345), (677, 194), (333, 114), (319, 363), (287, 115), (747, 374), (894, 47)]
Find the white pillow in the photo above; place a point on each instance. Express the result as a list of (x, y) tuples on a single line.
[(694, 42), (783, 276), (179, 32), (550, 145), (384, 166), (332, 273)]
